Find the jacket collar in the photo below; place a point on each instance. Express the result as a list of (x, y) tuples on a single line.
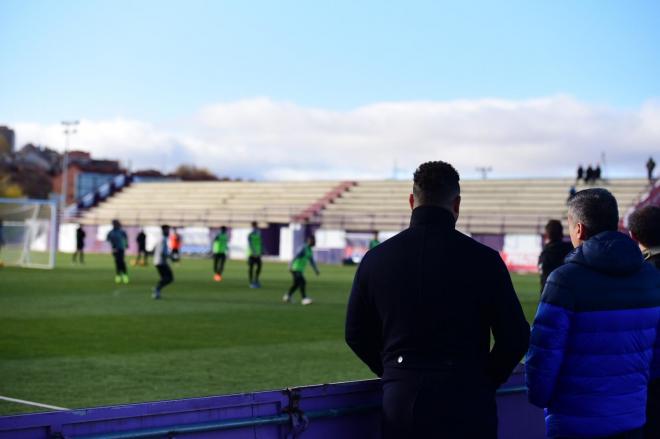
[(426, 215)]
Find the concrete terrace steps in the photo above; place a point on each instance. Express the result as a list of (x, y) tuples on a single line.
[(488, 206), (210, 203)]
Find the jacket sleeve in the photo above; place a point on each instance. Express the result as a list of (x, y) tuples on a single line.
[(363, 326), (548, 342), (509, 326)]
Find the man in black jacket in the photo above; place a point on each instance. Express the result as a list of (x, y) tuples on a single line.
[(421, 310), (644, 225), (554, 251)]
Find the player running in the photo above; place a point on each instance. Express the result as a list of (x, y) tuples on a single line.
[(255, 250), (297, 267), (220, 244), (119, 241), (161, 255)]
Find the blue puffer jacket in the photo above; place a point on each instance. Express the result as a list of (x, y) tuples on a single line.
[(596, 339)]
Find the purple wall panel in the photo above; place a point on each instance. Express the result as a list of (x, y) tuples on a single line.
[(346, 410)]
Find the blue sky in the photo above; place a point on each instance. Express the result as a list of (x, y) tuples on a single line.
[(162, 62)]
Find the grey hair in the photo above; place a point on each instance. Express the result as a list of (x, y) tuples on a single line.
[(596, 209)]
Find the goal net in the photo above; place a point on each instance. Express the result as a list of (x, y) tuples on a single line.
[(28, 232)]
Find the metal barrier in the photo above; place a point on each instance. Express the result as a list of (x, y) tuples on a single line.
[(346, 410)]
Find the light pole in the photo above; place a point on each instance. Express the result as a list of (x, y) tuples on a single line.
[(69, 129)]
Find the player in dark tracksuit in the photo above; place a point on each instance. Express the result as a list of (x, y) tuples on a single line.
[(555, 250), (420, 315), (118, 241), (161, 256), (142, 255), (80, 245)]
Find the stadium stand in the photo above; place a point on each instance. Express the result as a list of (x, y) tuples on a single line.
[(488, 206), (212, 204), (520, 206)]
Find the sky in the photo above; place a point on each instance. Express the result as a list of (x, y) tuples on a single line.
[(304, 90)]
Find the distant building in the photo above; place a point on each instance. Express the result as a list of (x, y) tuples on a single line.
[(86, 174), (40, 157), (6, 140)]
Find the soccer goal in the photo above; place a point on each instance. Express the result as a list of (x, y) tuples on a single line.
[(28, 232)]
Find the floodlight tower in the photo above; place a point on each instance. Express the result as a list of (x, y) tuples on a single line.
[(484, 171), (69, 130)]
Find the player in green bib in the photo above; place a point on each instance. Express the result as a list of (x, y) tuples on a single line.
[(374, 242), (220, 245), (255, 250), (305, 255)]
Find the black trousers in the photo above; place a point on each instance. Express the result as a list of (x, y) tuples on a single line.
[(142, 254), (166, 276), (437, 404), (79, 254), (298, 282), (637, 433), (219, 262), (254, 262), (120, 263)]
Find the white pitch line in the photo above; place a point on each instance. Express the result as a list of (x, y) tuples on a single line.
[(36, 404)]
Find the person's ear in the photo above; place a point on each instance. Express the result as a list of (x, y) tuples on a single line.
[(632, 235), (581, 232), (411, 200), (457, 206)]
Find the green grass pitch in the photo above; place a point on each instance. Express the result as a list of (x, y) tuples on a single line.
[(70, 337)]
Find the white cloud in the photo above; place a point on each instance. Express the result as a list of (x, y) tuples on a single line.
[(266, 139)]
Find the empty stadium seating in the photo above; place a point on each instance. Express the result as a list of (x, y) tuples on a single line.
[(520, 206), (211, 204), (488, 207)]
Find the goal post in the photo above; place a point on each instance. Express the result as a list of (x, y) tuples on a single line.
[(28, 232)]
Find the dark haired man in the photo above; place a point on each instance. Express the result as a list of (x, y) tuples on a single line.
[(255, 249), (161, 255), (596, 329), (554, 251), (420, 314), (644, 226)]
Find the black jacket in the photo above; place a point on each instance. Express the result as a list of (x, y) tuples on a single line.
[(552, 257), (429, 297)]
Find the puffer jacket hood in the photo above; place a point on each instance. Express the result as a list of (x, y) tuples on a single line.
[(609, 252)]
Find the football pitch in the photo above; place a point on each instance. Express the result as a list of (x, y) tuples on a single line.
[(72, 338)]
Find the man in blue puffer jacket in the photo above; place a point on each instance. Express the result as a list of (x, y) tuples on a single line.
[(595, 341)]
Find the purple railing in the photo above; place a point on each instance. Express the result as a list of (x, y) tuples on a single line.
[(344, 410)]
